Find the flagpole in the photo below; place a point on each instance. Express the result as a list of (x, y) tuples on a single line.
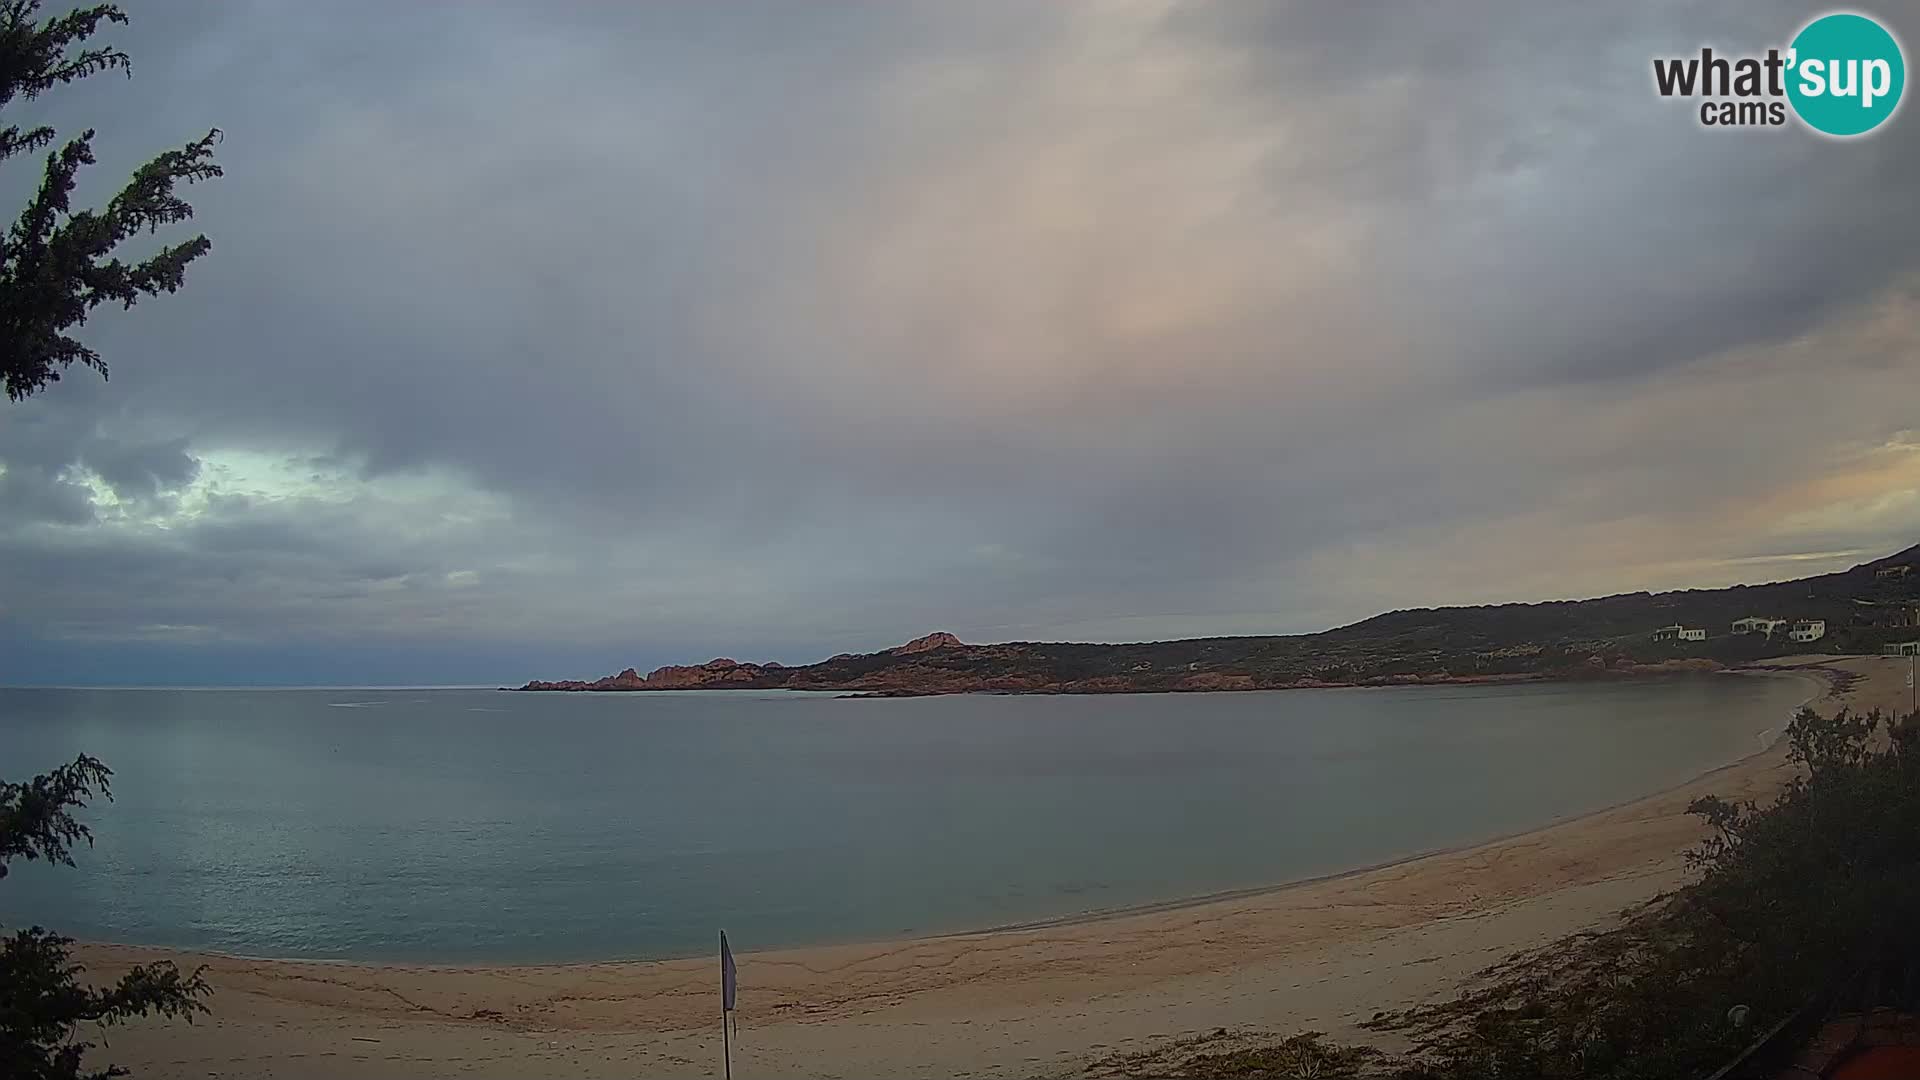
[(726, 1040)]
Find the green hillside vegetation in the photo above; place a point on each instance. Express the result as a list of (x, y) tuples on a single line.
[(1552, 637), (1863, 609)]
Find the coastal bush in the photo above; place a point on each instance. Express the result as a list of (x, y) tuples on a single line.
[(1306, 1056), (44, 1004), (1793, 898), (1225, 1055)]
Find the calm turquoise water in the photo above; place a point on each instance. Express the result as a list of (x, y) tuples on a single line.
[(472, 825)]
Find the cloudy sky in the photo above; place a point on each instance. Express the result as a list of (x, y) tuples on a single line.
[(541, 340)]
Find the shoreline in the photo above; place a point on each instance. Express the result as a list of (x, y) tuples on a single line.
[(1818, 687), (1073, 989), (1668, 669)]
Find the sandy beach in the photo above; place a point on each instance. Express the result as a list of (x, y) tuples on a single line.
[(1052, 1000)]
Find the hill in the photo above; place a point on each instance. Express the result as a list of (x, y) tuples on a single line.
[(1863, 608)]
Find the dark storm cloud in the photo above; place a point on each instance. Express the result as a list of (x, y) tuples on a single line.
[(31, 494), (782, 329), (135, 470), (41, 449)]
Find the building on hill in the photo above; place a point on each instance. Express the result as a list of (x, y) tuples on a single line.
[(1807, 630), (1890, 573), (1886, 616), (1756, 624), (1900, 648), (1677, 632)]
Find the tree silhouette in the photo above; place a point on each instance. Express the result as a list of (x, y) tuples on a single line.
[(44, 1005), (57, 263)]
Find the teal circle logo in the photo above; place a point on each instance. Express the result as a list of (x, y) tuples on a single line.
[(1846, 74)]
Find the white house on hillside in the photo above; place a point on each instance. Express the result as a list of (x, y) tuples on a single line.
[(1677, 632), (1807, 630), (1755, 624)]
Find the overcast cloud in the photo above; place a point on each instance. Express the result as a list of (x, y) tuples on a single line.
[(542, 341)]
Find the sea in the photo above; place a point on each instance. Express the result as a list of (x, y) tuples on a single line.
[(480, 826)]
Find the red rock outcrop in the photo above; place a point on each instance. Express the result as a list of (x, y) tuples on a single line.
[(1213, 680), (939, 639), (716, 672)]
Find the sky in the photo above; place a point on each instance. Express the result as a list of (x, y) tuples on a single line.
[(544, 340)]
